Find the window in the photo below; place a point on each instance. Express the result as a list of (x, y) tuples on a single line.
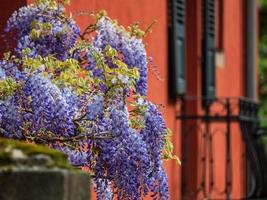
[(177, 47), (219, 9), (208, 68)]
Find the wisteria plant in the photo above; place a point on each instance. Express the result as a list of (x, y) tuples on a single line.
[(86, 95)]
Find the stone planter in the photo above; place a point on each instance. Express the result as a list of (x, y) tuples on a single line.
[(30, 172)]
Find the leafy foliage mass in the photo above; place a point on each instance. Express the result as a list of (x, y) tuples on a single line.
[(263, 62), (86, 95)]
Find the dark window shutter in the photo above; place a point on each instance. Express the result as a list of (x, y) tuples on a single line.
[(208, 73), (177, 46)]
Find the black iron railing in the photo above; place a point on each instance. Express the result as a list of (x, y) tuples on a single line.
[(220, 117)]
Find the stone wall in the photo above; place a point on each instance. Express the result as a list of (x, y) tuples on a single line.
[(30, 172)]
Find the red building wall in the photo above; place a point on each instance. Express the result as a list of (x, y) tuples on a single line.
[(6, 9), (229, 73), (230, 82), (230, 79)]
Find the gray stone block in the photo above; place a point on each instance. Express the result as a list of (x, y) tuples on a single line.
[(43, 184), (32, 172)]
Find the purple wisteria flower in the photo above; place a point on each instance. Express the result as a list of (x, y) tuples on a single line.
[(41, 29), (132, 49), (74, 94)]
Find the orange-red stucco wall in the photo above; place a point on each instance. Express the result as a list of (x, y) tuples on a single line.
[(230, 71), (230, 82), (230, 76)]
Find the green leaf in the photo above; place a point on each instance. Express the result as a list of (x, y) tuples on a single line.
[(7, 88), (167, 153)]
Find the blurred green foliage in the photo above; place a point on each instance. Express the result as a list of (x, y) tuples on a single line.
[(262, 3), (263, 61)]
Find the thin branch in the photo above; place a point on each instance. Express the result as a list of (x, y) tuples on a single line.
[(148, 29), (3, 131), (74, 138), (28, 111), (79, 118), (101, 177), (89, 29)]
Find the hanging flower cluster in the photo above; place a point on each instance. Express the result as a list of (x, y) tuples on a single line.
[(85, 97)]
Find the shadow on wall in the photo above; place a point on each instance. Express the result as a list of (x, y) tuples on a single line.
[(6, 9)]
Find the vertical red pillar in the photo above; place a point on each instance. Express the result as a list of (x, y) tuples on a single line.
[(191, 138)]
